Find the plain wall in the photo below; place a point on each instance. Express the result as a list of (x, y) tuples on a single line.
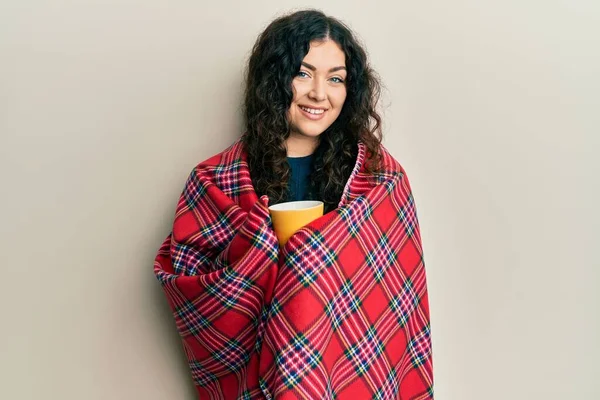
[(106, 106)]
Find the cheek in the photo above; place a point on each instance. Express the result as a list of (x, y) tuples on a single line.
[(298, 90), (340, 98), (291, 115)]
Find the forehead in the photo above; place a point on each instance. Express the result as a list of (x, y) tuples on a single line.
[(325, 55)]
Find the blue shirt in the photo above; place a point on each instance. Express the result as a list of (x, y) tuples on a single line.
[(301, 168)]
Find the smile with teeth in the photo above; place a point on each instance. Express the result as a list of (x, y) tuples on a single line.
[(312, 111)]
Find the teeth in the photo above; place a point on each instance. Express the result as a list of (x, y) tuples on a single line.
[(310, 110)]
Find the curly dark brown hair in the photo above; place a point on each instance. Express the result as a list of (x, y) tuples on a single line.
[(274, 62)]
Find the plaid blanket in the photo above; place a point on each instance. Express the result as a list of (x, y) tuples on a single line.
[(339, 312)]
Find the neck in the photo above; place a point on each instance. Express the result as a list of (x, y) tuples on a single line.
[(300, 146)]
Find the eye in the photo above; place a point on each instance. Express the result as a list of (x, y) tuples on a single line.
[(300, 74), (339, 80)]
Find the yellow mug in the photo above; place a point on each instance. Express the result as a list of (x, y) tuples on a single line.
[(291, 216)]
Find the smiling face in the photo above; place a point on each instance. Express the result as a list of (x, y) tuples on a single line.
[(319, 93)]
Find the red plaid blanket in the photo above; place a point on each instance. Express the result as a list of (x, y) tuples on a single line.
[(340, 312)]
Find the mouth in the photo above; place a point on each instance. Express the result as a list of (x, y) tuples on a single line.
[(313, 114)]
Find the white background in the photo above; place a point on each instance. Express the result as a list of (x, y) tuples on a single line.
[(106, 106)]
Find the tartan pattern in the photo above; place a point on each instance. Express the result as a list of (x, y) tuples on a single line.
[(339, 312)]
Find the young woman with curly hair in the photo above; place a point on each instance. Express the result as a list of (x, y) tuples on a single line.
[(338, 311), (308, 61)]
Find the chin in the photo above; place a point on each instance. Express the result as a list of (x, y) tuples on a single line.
[(312, 131)]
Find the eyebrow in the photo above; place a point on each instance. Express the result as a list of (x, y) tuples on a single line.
[(313, 68)]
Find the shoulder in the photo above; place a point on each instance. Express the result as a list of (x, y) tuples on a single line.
[(388, 164), (230, 157), (227, 171), (391, 171)]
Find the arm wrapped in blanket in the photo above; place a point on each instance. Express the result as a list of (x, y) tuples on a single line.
[(218, 268)]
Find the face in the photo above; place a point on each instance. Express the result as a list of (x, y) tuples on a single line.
[(319, 90)]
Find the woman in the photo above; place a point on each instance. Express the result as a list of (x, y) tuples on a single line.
[(341, 310)]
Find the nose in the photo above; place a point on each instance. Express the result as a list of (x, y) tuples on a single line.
[(317, 91)]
